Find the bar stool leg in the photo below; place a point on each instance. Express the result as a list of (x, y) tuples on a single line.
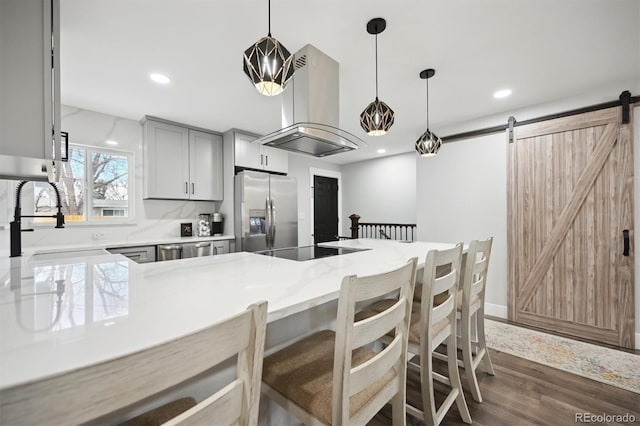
[(467, 357), (426, 379), (454, 378), (482, 342)]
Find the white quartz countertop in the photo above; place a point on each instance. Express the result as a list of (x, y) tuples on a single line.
[(63, 313)]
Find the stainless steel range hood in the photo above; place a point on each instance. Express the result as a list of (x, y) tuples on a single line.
[(311, 109)]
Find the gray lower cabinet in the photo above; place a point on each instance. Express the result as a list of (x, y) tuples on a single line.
[(139, 254), (220, 247)]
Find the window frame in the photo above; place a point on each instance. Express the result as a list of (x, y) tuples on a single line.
[(91, 220)]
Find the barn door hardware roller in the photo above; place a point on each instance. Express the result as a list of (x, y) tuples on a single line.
[(625, 100), (510, 125)]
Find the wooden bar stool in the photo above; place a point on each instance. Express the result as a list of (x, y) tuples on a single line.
[(432, 323), (471, 310), (91, 393), (437, 325), (333, 378)]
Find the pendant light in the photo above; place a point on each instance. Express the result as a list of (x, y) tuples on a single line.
[(428, 143), (377, 117), (268, 64)]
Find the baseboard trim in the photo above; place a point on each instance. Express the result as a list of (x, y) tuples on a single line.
[(499, 311), (637, 340)]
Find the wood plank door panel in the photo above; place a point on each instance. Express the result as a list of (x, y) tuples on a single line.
[(570, 189)]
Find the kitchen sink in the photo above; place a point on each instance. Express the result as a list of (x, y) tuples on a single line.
[(67, 254)]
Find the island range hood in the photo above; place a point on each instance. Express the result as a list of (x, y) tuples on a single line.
[(311, 110)]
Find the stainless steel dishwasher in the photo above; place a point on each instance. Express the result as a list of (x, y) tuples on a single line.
[(184, 250), (204, 248), (169, 252)]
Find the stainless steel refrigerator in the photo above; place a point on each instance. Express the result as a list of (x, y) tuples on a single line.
[(266, 210)]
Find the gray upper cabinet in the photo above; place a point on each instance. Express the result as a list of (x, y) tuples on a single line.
[(30, 83), (205, 165), (181, 163), (255, 156)]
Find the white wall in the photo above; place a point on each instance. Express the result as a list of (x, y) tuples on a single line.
[(155, 219), (462, 196), (299, 167), (380, 190)]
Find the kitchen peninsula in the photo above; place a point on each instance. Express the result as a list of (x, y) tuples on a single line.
[(108, 306)]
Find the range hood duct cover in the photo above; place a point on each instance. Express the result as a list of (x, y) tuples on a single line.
[(311, 109)]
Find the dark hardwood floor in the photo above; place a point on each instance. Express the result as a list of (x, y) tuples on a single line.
[(527, 393)]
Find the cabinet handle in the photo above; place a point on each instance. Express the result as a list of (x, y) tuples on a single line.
[(193, 188), (186, 187), (625, 237), (261, 159), (267, 158)]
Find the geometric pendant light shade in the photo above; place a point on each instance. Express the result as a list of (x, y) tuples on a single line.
[(377, 117), (428, 144), (268, 64)]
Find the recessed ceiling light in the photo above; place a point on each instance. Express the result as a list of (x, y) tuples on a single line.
[(112, 143), (503, 93), (382, 151), (160, 78)]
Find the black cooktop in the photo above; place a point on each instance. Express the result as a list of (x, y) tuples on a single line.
[(308, 252)]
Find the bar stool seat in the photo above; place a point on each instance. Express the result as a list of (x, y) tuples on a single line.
[(303, 373)]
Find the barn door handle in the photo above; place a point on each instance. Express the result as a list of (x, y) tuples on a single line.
[(625, 237)]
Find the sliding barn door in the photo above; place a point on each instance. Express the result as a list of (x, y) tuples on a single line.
[(570, 190)]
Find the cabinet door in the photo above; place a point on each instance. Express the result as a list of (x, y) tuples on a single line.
[(30, 85), (247, 154), (205, 166), (275, 160), (166, 161), (220, 247)]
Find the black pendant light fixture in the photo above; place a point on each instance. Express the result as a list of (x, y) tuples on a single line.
[(268, 64), (428, 143), (377, 117)]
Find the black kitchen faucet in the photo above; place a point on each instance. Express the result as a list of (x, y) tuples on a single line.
[(15, 229)]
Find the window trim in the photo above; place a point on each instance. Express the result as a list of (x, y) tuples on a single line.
[(90, 219)]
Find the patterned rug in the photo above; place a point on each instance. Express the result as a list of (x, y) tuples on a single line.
[(617, 368)]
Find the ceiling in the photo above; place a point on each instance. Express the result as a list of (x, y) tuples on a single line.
[(544, 50)]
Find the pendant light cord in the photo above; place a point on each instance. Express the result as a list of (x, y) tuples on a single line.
[(269, 12), (427, 79), (376, 66)]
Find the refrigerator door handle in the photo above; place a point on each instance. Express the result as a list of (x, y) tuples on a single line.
[(267, 218), (273, 224)]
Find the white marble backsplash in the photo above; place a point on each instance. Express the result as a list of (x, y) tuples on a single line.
[(153, 218)]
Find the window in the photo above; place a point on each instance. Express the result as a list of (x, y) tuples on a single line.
[(94, 186)]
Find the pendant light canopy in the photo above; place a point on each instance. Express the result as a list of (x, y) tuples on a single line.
[(268, 64), (428, 143), (377, 117)]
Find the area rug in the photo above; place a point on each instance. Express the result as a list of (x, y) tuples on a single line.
[(614, 367)]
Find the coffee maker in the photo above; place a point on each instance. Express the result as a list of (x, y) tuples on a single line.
[(217, 225)]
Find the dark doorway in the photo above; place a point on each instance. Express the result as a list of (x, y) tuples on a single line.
[(325, 209)]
